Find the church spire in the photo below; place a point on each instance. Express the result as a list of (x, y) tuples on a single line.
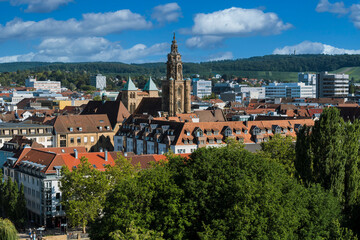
[(174, 47)]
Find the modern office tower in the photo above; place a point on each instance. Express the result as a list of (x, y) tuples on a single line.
[(332, 85), (98, 81)]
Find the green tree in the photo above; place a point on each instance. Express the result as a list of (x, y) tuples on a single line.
[(11, 193), (218, 193), (83, 193), (2, 195), (328, 155), (7, 230), (282, 150), (21, 209), (97, 98)]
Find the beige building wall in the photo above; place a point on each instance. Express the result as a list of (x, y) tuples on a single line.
[(91, 141), (64, 103)]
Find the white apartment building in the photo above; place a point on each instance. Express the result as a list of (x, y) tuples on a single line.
[(52, 86), (39, 170), (332, 85), (98, 81), (290, 90), (253, 92), (202, 88)]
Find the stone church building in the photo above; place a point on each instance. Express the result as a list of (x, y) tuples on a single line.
[(176, 92)]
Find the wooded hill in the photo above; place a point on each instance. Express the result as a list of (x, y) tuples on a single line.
[(272, 67)]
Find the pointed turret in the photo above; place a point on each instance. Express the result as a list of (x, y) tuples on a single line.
[(150, 85), (174, 47), (129, 85), (151, 88)]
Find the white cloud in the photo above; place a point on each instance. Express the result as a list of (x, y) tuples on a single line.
[(238, 22), (92, 24), (308, 47), (221, 56), (326, 6), (170, 12), (203, 41), (87, 49), (40, 6), (355, 15)]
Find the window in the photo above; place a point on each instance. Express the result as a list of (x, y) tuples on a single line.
[(85, 139), (6, 132), (32, 131), (71, 140), (71, 129), (80, 129), (57, 195), (256, 131), (78, 140), (15, 131), (23, 131), (92, 139), (41, 130)]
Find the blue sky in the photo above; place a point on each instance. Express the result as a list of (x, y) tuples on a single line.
[(141, 31)]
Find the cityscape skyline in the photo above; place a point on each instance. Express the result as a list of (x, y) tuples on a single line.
[(85, 31)]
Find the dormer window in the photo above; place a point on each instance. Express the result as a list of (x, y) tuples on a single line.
[(71, 129), (100, 128), (101, 121), (199, 133), (80, 129), (107, 127), (276, 129), (256, 131), (227, 132)]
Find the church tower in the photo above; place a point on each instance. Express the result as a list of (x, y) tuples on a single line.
[(129, 96), (175, 90)]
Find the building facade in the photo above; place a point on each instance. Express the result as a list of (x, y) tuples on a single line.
[(142, 136), (202, 88), (332, 85), (290, 90), (52, 86), (175, 90), (42, 134), (98, 81), (94, 132)]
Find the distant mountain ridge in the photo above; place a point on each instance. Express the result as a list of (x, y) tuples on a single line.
[(269, 63)]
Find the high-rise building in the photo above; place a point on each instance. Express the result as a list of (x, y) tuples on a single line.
[(332, 85), (98, 81), (202, 88), (175, 90), (290, 90)]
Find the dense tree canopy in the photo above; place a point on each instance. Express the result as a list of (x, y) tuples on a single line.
[(328, 154), (218, 193), (12, 202)]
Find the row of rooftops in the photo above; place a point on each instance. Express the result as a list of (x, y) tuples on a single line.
[(40, 162), (174, 133)]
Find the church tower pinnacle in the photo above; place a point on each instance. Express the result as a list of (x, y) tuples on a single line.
[(176, 90)]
